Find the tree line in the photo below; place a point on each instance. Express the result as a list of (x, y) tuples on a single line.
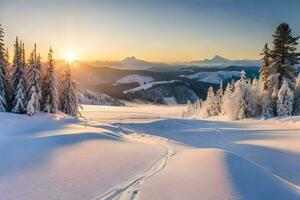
[(275, 93), (27, 86)]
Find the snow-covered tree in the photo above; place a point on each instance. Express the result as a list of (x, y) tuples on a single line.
[(50, 95), (198, 104), (18, 79), (33, 83), (267, 105), (3, 73), (219, 98), (285, 100), (190, 110), (264, 70), (255, 86), (297, 97), (69, 102), (284, 53), (210, 103), (227, 100), (244, 99)]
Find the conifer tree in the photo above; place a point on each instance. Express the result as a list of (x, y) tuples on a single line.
[(33, 83), (198, 104), (244, 102), (219, 98), (211, 104), (285, 100), (296, 110), (265, 69), (3, 74), (50, 96), (284, 52), (18, 79), (268, 105), (227, 99), (69, 102)]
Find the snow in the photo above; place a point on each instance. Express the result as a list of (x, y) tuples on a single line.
[(135, 78), (54, 157), (147, 152), (214, 77), (149, 85)]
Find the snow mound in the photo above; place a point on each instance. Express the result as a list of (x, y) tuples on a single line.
[(232, 177), (57, 157), (214, 77), (134, 78)]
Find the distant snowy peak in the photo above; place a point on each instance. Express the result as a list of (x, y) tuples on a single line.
[(133, 62), (218, 58), (218, 61)]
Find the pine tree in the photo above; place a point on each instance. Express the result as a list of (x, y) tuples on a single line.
[(268, 105), (211, 104), (219, 98), (284, 52), (69, 95), (265, 70), (297, 97), (50, 96), (227, 99), (18, 79), (3, 74), (244, 102), (190, 109), (33, 83), (198, 104), (285, 100)]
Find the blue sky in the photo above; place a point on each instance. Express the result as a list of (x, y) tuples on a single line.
[(155, 30)]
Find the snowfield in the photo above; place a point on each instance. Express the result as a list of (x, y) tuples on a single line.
[(214, 77), (147, 152), (134, 78), (149, 85)]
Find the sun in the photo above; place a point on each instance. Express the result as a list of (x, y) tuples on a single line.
[(69, 57)]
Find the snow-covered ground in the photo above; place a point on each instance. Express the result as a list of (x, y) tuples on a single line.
[(214, 77), (147, 152), (149, 85), (135, 78)]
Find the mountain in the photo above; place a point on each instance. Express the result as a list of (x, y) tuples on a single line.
[(218, 61), (133, 62)]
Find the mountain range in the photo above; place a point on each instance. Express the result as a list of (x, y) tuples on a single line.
[(133, 63)]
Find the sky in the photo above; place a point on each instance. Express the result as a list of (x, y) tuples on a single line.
[(153, 30)]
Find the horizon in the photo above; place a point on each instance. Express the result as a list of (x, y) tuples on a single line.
[(168, 32)]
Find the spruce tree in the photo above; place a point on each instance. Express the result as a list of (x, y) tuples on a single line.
[(219, 98), (3, 74), (211, 104), (296, 110), (69, 102), (18, 79), (264, 70), (50, 96), (285, 100), (284, 52), (227, 99), (33, 83)]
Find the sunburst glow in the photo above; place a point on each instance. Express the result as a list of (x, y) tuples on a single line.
[(69, 57)]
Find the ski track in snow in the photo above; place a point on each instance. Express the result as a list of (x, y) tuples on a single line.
[(130, 189), (223, 147)]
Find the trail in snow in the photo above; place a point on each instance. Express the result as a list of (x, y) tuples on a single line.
[(130, 188)]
